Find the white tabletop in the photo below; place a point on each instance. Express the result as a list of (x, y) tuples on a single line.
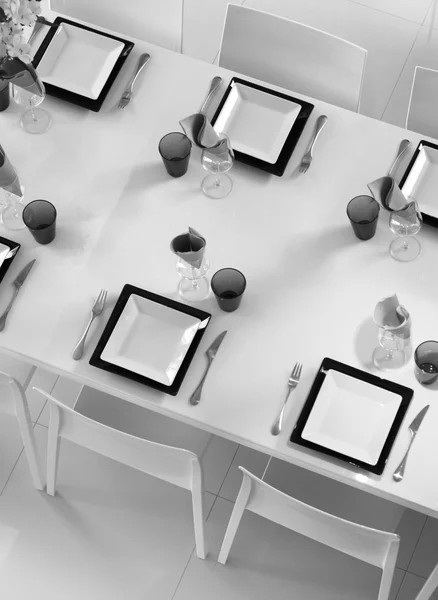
[(312, 286)]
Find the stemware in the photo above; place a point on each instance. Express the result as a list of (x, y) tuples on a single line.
[(394, 342), (11, 214), (34, 119), (194, 286), (218, 160), (405, 223)]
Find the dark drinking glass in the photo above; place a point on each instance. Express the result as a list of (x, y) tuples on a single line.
[(175, 149), (426, 362), (363, 212), (228, 286), (39, 216)]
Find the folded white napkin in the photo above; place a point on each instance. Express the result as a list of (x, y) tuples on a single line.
[(200, 131), (190, 247), (387, 193), (8, 175), (390, 314)]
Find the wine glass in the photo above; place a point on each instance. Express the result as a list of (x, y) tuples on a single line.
[(405, 223), (33, 120), (193, 286), (12, 207), (390, 354), (218, 160)]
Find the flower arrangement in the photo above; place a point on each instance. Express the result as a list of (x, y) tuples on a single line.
[(14, 16)]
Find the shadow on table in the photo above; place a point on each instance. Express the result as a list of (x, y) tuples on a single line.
[(147, 175), (365, 342)]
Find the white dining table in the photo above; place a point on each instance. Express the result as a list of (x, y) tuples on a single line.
[(311, 285)]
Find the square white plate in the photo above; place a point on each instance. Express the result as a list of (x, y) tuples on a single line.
[(151, 339), (79, 60), (352, 417), (422, 181), (256, 122), (4, 252)]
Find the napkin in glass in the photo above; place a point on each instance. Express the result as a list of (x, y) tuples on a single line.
[(23, 75), (190, 247), (390, 314), (387, 193), (200, 131), (8, 175)]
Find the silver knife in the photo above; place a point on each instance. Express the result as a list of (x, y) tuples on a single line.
[(404, 145), (17, 283), (413, 429), (211, 353)]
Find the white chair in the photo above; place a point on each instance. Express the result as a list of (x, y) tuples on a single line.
[(375, 547), (159, 22), (422, 114), (25, 424), (430, 586), (175, 465), (293, 56)]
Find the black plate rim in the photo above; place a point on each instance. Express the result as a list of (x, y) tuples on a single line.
[(428, 219), (334, 365), (63, 94), (8, 261), (127, 291), (294, 135)]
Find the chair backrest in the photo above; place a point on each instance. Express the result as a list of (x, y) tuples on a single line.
[(377, 548), (422, 115), (293, 56), (156, 21), (178, 466)]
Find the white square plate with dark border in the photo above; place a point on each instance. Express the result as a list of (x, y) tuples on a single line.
[(150, 339), (263, 125), (352, 415), (420, 181), (79, 64), (8, 251)]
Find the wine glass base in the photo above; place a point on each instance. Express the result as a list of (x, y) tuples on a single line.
[(213, 189), (405, 249), (387, 361), (194, 293), (38, 122)]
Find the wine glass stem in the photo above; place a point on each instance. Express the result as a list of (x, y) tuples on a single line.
[(34, 117)]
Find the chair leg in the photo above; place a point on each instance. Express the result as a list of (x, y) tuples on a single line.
[(198, 522), (236, 517), (53, 442), (430, 586)]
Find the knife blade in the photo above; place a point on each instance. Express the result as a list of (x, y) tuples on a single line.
[(210, 353), (17, 283), (413, 430)]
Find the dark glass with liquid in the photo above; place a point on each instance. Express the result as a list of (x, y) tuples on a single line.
[(363, 212), (228, 286), (426, 362), (39, 216)]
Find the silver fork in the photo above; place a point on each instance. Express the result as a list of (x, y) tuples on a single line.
[(127, 94), (292, 383), (97, 309), (308, 157)]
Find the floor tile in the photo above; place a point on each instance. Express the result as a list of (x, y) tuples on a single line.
[(426, 553), (111, 532), (66, 391), (45, 381), (406, 9), (215, 452), (425, 54), (388, 40), (411, 585), (245, 457), (203, 24), (269, 561), (409, 530), (10, 446)]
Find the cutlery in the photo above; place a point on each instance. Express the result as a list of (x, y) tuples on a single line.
[(40, 21), (211, 353), (127, 94), (404, 145), (292, 383), (97, 309), (307, 158), (413, 429), (215, 83), (17, 283)]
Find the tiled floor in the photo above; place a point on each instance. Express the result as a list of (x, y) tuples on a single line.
[(112, 532)]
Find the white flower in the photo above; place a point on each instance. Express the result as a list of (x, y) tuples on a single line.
[(17, 15)]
